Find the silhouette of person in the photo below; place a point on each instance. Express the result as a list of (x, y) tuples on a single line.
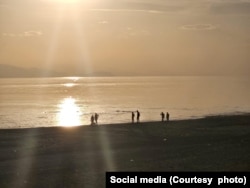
[(167, 116), (92, 120), (162, 116), (133, 117), (96, 118), (138, 116)]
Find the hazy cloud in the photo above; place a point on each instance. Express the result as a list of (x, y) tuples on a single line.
[(198, 27), (103, 22), (236, 7), (133, 32), (124, 6), (127, 10), (8, 34), (23, 34), (32, 33)]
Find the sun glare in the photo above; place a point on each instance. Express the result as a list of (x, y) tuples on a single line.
[(66, 1), (69, 113)]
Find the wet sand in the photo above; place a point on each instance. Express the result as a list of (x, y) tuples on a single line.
[(80, 156)]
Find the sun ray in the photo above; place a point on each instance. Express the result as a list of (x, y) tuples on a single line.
[(54, 40), (81, 41), (69, 113)]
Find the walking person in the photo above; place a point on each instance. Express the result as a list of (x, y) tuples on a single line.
[(167, 116), (133, 117), (92, 120), (162, 116), (138, 116), (96, 118)]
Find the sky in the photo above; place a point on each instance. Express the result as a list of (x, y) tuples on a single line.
[(127, 37)]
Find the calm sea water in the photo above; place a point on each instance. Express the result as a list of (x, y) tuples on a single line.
[(43, 102)]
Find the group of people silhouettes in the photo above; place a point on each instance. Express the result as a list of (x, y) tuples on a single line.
[(94, 119), (163, 116), (138, 114)]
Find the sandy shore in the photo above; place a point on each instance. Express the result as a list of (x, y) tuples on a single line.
[(80, 156)]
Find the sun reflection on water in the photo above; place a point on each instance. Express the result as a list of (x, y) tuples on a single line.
[(69, 113)]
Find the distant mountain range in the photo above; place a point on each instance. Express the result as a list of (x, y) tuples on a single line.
[(10, 71)]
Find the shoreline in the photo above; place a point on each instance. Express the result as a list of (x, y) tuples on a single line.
[(226, 115), (79, 156)]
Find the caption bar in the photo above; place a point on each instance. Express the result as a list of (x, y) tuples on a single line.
[(177, 179)]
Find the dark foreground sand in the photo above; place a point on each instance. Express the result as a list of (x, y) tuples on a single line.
[(80, 156)]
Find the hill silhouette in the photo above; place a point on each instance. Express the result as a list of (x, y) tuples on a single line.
[(9, 71)]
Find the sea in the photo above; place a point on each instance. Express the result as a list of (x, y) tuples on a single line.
[(70, 101)]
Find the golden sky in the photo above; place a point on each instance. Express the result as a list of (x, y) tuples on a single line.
[(127, 37)]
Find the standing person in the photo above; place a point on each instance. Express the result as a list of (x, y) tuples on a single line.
[(133, 117), (96, 118), (167, 116), (138, 116), (92, 119), (162, 116)]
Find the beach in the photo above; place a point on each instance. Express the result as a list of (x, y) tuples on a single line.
[(79, 156)]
